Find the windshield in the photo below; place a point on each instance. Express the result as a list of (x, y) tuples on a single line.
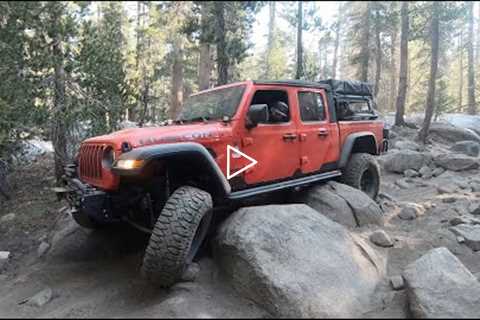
[(212, 105)]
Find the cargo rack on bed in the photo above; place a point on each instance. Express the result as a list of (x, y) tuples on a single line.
[(354, 100)]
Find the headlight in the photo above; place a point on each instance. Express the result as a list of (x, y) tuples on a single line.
[(108, 158), (128, 164)]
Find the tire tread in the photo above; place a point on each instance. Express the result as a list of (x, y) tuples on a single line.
[(173, 233)]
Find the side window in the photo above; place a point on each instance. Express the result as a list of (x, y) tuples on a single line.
[(277, 102), (312, 107)]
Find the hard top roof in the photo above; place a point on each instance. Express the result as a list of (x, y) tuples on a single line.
[(294, 83)]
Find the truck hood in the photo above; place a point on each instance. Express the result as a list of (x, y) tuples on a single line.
[(138, 137)]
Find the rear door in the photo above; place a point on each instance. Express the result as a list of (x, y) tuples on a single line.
[(318, 134)]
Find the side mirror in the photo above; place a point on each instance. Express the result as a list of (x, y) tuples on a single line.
[(257, 113)]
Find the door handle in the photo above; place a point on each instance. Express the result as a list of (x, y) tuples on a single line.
[(289, 136), (322, 132)]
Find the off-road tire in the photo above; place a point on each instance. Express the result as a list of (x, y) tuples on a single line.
[(85, 221), (177, 235), (363, 172)]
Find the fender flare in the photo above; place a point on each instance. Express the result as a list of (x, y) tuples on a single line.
[(350, 142), (192, 150)]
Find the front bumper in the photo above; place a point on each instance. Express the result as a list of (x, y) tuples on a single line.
[(85, 199)]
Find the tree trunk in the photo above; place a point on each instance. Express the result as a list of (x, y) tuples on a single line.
[(139, 34), (144, 55), (205, 60), (144, 102), (177, 80), (321, 63), (204, 67), (222, 58), (271, 31), (430, 103), (60, 127), (325, 60), (365, 50), (335, 48), (393, 65), (472, 107), (477, 49), (402, 85), (378, 53), (342, 68), (131, 116), (299, 72), (460, 81)]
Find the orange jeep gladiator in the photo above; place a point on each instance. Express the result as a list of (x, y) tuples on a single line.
[(228, 144)]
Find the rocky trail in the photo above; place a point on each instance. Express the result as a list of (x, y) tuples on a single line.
[(415, 253)]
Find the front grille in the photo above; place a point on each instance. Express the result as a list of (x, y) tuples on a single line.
[(90, 161)]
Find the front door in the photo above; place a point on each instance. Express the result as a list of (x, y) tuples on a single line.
[(273, 144)]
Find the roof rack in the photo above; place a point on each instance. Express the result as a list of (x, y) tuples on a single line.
[(349, 87)]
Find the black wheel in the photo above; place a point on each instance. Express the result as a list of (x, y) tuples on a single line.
[(363, 172), (85, 221), (177, 235)]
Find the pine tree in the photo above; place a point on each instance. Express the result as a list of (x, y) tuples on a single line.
[(59, 136), (222, 58), (472, 107), (205, 60), (337, 29), (102, 67), (299, 63), (402, 86), (434, 44), (271, 34), (365, 49)]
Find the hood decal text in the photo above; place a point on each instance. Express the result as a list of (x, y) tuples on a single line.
[(197, 135)]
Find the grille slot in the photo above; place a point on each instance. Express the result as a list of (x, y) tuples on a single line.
[(90, 161)]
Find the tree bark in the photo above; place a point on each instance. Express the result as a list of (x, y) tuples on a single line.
[(204, 67), (393, 64), (177, 80), (477, 49), (321, 58), (342, 68), (472, 106), (335, 48), (365, 50), (378, 53), (325, 60), (139, 34), (205, 60), (402, 85), (131, 116), (460, 81), (222, 58), (60, 127), (430, 103), (271, 31), (144, 58), (299, 72)]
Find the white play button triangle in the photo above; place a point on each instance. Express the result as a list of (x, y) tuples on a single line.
[(237, 154)]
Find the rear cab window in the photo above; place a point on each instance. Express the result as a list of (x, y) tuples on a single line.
[(311, 106)]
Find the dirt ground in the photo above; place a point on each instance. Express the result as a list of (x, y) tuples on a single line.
[(92, 273), (95, 274)]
